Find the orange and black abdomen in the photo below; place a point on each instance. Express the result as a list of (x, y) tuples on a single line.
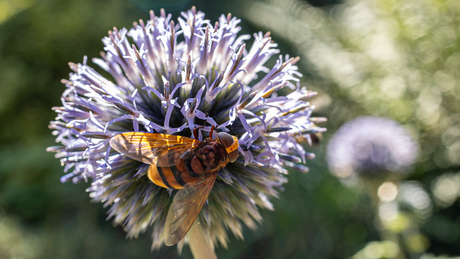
[(189, 167), (175, 177)]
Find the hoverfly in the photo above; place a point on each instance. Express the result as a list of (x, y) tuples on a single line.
[(183, 164)]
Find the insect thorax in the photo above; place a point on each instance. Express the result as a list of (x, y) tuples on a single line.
[(213, 157)]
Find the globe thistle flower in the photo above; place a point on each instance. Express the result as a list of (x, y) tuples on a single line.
[(177, 78), (371, 147)]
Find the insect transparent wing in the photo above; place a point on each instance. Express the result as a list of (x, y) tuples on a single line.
[(184, 210), (144, 147)]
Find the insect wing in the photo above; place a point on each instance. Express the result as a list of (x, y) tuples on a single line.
[(145, 147), (184, 210)]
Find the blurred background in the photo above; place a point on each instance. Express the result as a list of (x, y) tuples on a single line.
[(398, 59)]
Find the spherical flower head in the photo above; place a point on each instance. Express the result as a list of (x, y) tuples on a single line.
[(180, 78), (371, 147)]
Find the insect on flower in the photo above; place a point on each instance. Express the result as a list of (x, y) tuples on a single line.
[(180, 163), (164, 86)]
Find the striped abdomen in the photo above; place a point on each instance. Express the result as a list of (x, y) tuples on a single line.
[(175, 177), (189, 168)]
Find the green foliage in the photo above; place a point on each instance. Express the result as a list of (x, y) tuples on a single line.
[(398, 59)]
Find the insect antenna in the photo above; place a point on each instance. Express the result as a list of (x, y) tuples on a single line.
[(195, 131), (211, 131)]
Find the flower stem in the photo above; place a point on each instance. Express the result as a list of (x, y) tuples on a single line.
[(384, 233), (199, 243)]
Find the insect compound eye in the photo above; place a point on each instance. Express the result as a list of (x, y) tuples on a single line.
[(233, 156), (226, 139), (231, 145)]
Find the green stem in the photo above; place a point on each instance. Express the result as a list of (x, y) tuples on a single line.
[(200, 244), (385, 233)]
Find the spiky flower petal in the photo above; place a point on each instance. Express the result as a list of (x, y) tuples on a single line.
[(172, 78)]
